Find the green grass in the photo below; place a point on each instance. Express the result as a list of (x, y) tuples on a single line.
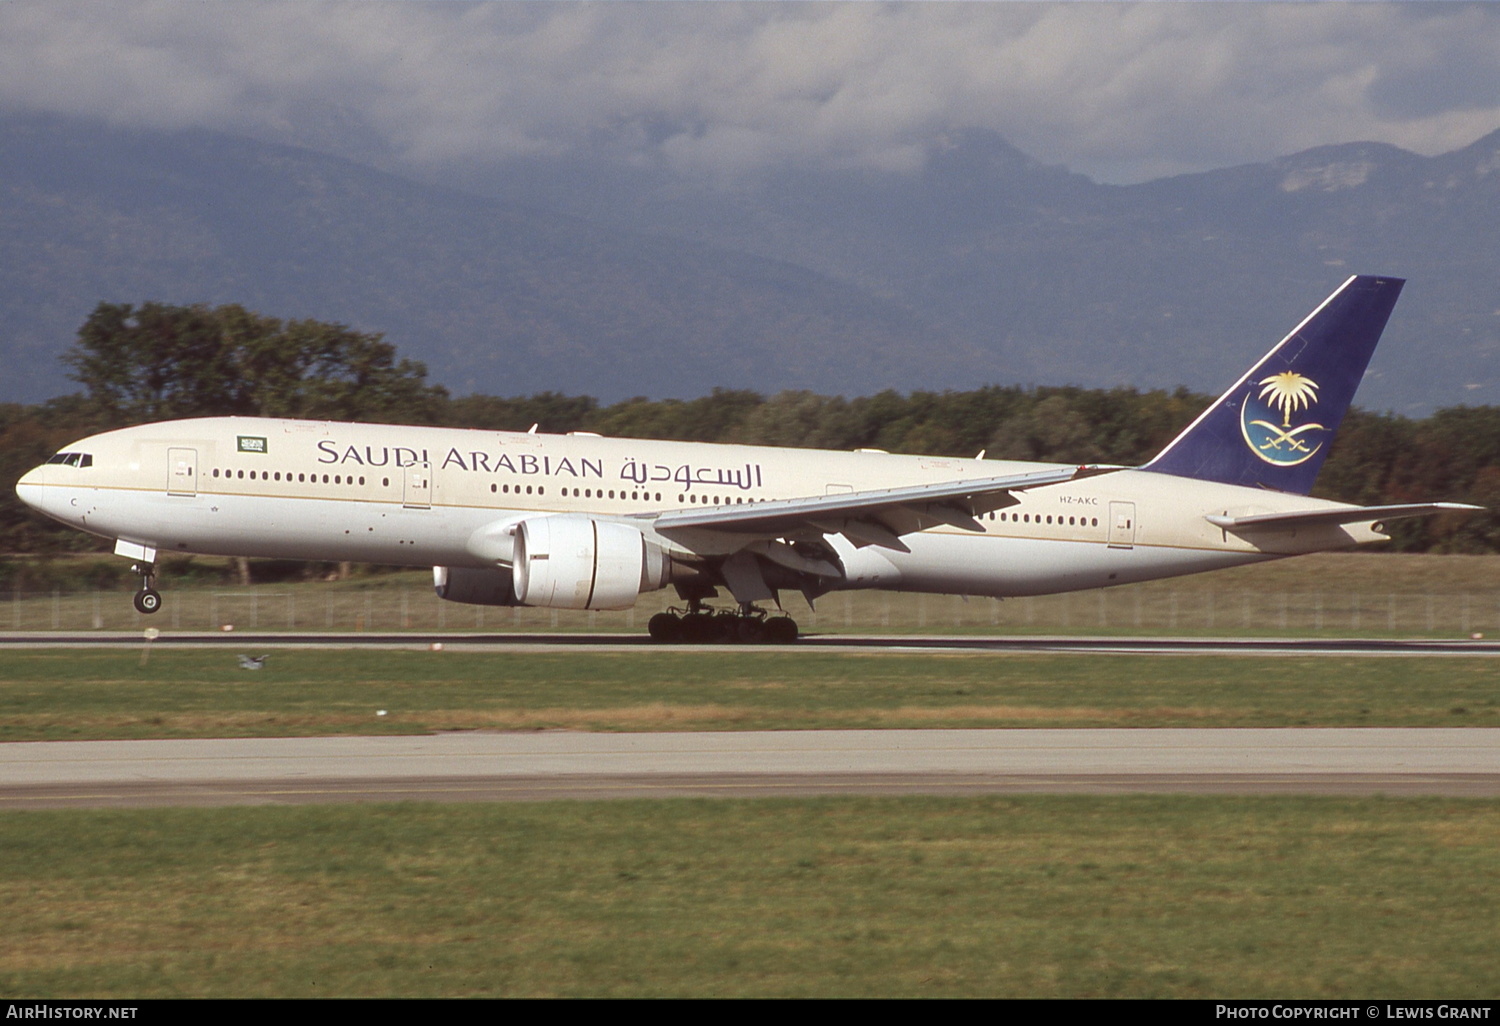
[(1010, 897), (53, 695), (1337, 594), (1035, 896)]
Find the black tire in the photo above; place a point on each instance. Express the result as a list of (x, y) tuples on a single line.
[(781, 630), (664, 628), (148, 601), (697, 628), (751, 631)]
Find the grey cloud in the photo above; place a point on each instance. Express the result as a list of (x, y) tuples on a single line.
[(1120, 91)]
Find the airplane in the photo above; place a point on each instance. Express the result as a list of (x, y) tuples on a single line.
[(580, 521)]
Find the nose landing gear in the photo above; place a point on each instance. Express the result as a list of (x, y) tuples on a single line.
[(148, 599)]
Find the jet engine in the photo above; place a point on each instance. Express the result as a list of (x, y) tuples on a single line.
[(572, 562), (488, 587)]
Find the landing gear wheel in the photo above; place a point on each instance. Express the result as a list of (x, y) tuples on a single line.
[(781, 630), (664, 628), (700, 625), (698, 628), (724, 629), (751, 631), (148, 599)]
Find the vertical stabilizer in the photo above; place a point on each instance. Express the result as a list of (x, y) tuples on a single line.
[(1274, 426)]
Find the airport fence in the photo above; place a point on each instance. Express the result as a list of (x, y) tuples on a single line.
[(1157, 608)]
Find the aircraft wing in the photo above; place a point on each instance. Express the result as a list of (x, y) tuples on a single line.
[(876, 517), (1346, 515)]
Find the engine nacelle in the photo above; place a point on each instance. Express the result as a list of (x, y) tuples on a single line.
[(572, 562), (489, 587)]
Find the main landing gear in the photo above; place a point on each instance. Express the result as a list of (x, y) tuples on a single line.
[(148, 599), (701, 625)]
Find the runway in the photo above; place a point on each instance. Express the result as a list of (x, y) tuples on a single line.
[(475, 766), (973, 643)]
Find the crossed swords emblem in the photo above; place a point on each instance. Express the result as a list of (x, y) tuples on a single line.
[(1287, 437), (1287, 391)]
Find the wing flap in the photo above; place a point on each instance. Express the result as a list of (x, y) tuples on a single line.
[(777, 516), (876, 517)]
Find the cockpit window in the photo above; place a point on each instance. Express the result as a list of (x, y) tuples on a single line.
[(74, 459)]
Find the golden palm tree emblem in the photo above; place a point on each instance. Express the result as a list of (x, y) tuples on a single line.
[(1289, 392)]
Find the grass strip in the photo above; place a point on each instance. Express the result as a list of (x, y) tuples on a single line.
[(1036, 896), (54, 695)]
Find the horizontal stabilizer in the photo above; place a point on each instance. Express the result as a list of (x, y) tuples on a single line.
[(1341, 515)]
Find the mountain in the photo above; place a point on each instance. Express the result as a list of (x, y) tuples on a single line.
[(1183, 280), (593, 276), (494, 297)]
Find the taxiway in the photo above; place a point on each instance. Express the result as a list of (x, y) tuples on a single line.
[(974, 643), (476, 766)]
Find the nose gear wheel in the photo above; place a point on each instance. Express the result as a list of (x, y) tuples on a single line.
[(148, 599)]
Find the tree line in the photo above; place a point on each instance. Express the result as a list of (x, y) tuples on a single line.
[(158, 361)]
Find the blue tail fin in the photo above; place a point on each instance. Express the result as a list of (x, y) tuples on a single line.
[(1274, 426)]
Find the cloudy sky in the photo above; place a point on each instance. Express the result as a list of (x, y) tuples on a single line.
[(1122, 92)]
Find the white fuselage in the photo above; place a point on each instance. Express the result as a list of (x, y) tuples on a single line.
[(425, 496)]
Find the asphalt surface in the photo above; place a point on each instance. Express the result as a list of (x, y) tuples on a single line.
[(549, 765), (543, 642), (476, 766)]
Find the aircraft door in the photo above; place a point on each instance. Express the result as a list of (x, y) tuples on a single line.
[(418, 491), (1121, 525), (182, 471)]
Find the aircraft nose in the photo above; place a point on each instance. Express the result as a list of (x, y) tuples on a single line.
[(33, 489), (30, 489)]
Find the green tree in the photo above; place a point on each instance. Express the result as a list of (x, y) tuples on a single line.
[(160, 361), (551, 411)]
